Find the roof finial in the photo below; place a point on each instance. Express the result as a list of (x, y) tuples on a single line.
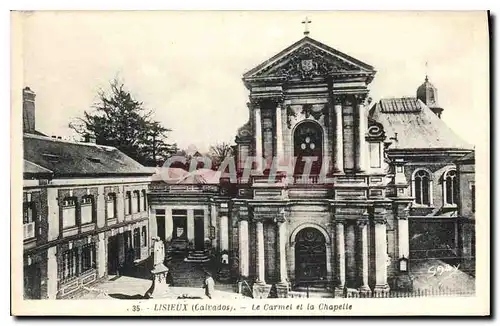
[(306, 22)]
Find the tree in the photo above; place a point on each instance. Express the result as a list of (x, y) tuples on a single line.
[(120, 121), (219, 152), (155, 149)]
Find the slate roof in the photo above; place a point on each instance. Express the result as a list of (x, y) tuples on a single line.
[(467, 158), (67, 158), (416, 126)]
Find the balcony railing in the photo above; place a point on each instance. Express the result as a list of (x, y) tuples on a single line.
[(29, 230), (305, 179), (184, 188)]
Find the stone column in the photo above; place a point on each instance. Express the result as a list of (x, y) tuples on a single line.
[(350, 250), (362, 148), (224, 235), (243, 246), (363, 225), (381, 255), (340, 256), (190, 225), (213, 223), (261, 267), (258, 136), (279, 134), (282, 252), (339, 138)]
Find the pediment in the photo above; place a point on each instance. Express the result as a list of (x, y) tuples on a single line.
[(307, 59)]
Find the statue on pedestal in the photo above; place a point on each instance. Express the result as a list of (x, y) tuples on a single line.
[(159, 272)]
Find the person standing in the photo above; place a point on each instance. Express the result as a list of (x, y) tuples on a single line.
[(209, 285)]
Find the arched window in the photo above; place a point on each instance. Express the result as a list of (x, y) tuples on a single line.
[(422, 186), (450, 187)]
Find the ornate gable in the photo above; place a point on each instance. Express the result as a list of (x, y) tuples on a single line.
[(307, 59)]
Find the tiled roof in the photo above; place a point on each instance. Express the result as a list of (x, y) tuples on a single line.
[(416, 126), (201, 176), (32, 168), (66, 158), (400, 105), (169, 175)]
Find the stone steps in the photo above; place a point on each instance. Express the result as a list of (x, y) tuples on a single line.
[(198, 256)]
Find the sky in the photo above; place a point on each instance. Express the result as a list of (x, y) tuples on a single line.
[(188, 66)]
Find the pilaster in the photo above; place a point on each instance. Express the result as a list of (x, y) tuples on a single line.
[(380, 254), (363, 225)]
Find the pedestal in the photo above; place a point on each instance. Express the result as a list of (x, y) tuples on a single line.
[(364, 290), (261, 291), (381, 289), (339, 292), (159, 288), (352, 293), (282, 290)]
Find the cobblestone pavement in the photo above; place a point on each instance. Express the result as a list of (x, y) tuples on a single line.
[(187, 280)]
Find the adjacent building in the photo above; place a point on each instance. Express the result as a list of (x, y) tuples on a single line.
[(85, 212)]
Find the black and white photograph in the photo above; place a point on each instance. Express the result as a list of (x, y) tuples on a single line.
[(250, 162)]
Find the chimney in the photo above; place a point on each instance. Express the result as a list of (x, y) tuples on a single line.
[(28, 110)]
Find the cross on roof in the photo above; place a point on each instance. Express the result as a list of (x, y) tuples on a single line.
[(306, 22), (426, 70)]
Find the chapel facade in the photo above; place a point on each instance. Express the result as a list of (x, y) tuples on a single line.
[(367, 176)]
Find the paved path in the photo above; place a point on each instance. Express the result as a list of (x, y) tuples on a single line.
[(187, 280), (125, 287)]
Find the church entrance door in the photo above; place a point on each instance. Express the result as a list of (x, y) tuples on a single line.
[(310, 258), (308, 142)]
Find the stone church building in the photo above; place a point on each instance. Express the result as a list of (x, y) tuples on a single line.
[(369, 179)]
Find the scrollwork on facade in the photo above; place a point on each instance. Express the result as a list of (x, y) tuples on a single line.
[(339, 220), (360, 98), (375, 130), (308, 110), (343, 99), (244, 132), (380, 219), (362, 222)]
